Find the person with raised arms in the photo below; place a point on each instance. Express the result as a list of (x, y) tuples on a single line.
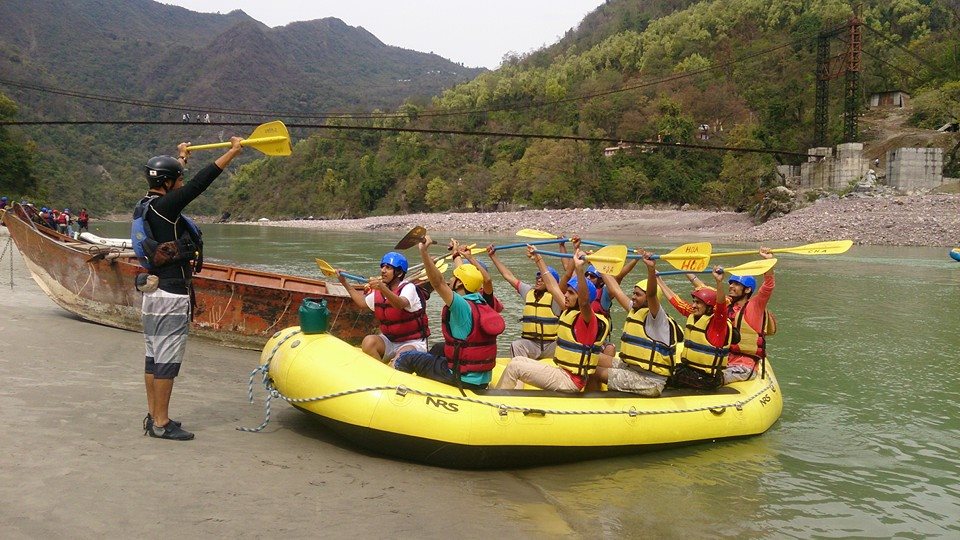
[(708, 336), (541, 312), (470, 328), (648, 345), (752, 321), (580, 336), (398, 305), (170, 247)]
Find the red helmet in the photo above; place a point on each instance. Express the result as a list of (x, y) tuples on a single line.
[(707, 294)]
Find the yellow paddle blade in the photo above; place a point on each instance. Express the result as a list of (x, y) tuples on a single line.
[(693, 257), (326, 268), (608, 260), (534, 233), (271, 138), (752, 268), (831, 247)]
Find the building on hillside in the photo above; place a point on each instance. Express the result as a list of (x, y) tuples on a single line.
[(890, 98), (611, 151)]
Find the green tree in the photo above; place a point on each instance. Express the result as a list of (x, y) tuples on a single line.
[(16, 157), (438, 194)]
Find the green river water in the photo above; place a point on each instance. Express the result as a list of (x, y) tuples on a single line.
[(867, 357)]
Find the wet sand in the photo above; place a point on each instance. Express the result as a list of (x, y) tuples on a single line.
[(74, 462)]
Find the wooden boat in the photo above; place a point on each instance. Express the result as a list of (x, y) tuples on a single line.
[(235, 306), (402, 415)]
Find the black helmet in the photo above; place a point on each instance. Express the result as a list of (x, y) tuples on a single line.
[(159, 169)]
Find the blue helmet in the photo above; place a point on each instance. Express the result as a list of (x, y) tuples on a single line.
[(746, 281), (591, 288), (553, 272), (396, 260), (592, 270), (4, 199)]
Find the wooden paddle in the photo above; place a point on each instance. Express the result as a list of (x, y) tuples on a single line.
[(753, 268), (692, 257), (271, 138), (536, 233), (607, 260), (833, 247), (413, 237), (328, 270)]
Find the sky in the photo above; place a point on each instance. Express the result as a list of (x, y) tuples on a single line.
[(476, 34)]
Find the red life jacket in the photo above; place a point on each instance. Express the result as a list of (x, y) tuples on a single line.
[(400, 325), (62, 218), (479, 351)]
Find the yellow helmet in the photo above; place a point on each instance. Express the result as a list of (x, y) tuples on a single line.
[(643, 285), (470, 276)]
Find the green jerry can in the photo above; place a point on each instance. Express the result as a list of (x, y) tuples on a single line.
[(314, 316)]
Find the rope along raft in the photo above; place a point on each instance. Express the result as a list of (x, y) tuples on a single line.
[(503, 408)]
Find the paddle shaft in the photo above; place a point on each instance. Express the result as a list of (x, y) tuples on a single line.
[(245, 142), (570, 256), (354, 277)]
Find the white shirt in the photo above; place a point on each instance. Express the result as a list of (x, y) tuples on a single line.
[(409, 291)]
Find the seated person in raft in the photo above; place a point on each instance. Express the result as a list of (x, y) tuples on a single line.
[(580, 336), (398, 305), (470, 328)]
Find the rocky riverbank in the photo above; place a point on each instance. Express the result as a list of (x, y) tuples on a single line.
[(921, 220)]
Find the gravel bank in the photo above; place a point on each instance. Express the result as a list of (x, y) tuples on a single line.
[(917, 220)]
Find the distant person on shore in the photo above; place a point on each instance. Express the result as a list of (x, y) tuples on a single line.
[(580, 336), (470, 328), (169, 246), (198, 118), (541, 312), (3, 202), (648, 345), (186, 117), (398, 305), (206, 118), (83, 220), (708, 337)]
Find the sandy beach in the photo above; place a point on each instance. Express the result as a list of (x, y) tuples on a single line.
[(75, 463)]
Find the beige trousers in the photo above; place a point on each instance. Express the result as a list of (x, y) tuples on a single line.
[(522, 370)]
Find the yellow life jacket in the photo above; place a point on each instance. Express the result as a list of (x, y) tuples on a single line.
[(571, 355), (539, 323), (698, 352), (638, 349)]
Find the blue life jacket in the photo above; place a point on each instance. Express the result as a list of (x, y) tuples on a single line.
[(145, 243)]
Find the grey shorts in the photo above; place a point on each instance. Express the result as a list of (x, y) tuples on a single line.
[(626, 377), (537, 350), (390, 348), (166, 321), (738, 373)]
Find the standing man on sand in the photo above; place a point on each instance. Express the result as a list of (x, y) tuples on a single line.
[(168, 244)]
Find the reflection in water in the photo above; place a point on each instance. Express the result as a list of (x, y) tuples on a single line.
[(867, 356)]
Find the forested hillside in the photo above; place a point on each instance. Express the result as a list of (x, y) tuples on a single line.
[(127, 51), (745, 69)]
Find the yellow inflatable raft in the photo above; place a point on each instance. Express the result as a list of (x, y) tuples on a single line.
[(418, 419)]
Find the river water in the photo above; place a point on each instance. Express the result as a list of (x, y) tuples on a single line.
[(867, 356)]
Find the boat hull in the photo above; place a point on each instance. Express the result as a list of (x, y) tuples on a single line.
[(401, 415), (234, 306)]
